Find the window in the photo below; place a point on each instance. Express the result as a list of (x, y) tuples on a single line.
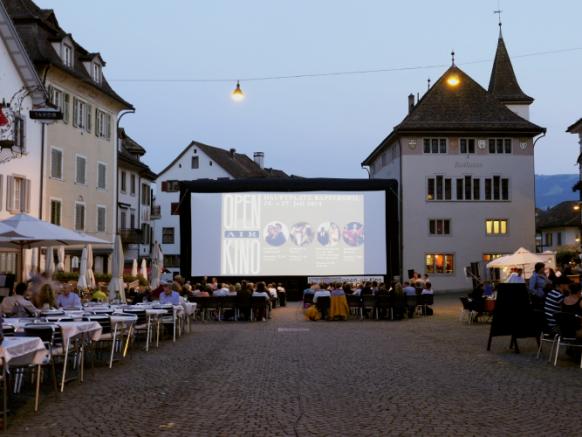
[(102, 176), (435, 145), (122, 219), (102, 124), (494, 274), (17, 194), (549, 240), (500, 145), (167, 235), (19, 133), (559, 238), (175, 208), (467, 145), (80, 170), (468, 188), (496, 188), (195, 162), (61, 100), (101, 218), (439, 226), (66, 108), (97, 70), (439, 188), (81, 114), (132, 184), (79, 216), (496, 226), (145, 194), (67, 55), (146, 231), (56, 163), (132, 219), (440, 263), (123, 182), (56, 212), (171, 260)]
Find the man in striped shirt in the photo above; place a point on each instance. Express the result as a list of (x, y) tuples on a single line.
[(554, 300)]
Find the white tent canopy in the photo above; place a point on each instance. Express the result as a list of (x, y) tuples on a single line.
[(522, 258)]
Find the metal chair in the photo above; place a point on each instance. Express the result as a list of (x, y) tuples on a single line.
[(568, 324), (369, 303), (355, 305)]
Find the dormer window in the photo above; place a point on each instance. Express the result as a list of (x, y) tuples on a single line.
[(67, 55), (96, 72)]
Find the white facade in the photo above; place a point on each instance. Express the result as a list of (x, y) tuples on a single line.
[(558, 238), (19, 174), (167, 227)]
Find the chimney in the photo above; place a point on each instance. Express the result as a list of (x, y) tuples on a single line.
[(410, 102), (232, 152), (259, 158)]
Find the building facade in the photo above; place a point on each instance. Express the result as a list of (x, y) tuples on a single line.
[(135, 189), (78, 172), (198, 161), (464, 161), (558, 228), (21, 137)]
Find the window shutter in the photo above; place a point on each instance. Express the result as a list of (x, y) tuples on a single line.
[(89, 114), (51, 93), (22, 134), (97, 123), (26, 187), (1, 189), (108, 126), (10, 193), (66, 104)]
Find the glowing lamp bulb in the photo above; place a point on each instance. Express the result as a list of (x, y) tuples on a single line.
[(238, 95), (453, 80), (576, 207)]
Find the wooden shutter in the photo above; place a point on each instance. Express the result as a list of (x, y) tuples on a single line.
[(89, 116), (97, 123), (66, 107), (9, 193), (1, 189), (26, 187), (75, 112)]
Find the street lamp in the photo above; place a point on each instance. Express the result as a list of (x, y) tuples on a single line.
[(238, 95)]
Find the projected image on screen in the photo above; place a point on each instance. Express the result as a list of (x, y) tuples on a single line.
[(280, 234)]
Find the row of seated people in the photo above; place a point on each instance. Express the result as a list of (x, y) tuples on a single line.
[(369, 299)]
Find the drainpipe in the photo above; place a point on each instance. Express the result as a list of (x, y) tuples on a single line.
[(119, 117), (543, 134)]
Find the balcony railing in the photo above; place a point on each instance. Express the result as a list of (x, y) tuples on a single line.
[(132, 236), (156, 212)]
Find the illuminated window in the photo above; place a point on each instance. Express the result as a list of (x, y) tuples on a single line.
[(440, 263), (496, 226)]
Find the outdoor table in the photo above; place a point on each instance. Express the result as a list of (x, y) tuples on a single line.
[(190, 310), (155, 314), (122, 323)]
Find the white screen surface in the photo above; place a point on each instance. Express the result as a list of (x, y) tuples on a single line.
[(288, 233)]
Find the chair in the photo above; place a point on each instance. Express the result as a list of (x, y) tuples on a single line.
[(307, 300), (355, 305), (258, 308), (369, 303), (323, 303), (212, 307), (426, 301), (384, 306), (467, 313), (142, 324), (412, 302), (171, 318), (243, 306), (106, 335), (568, 324), (227, 303), (547, 335), (48, 334)]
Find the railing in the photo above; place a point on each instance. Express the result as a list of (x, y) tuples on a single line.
[(132, 236)]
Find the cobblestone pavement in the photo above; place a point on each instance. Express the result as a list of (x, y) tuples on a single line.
[(428, 377)]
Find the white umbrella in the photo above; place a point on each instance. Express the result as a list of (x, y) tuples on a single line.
[(134, 268), (32, 265), (82, 281), (156, 267), (116, 284), (61, 259), (521, 258), (144, 269), (91, 283), (49, 261)]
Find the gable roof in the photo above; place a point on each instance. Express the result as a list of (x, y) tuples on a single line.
[(38, 29), (129, 153), (464, 108), (238, 165), (561, 215), (503, 83), (575, 127)]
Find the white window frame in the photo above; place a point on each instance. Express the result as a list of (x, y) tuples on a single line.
[(59, 200), (96, 72), (77, 182), (438, 139), (84, 216), (62, 178), (132, 184), (68, 60), (104, 187), (443, 253), (500, 221), (104, 208), (123, 188), (443, 234), (102, 124), (81, 114)]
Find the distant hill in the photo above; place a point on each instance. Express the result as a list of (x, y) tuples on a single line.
[(553, 189)]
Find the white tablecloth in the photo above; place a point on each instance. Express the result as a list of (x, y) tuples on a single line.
[(72, 329), (189, 307), (127, 318), (23, 350)]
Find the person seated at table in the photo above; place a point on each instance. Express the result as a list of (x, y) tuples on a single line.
[(45, 298), (553, 303), (17, 305), (572, 304), (169, 296), (100, 296), (427, 290), (68, 299), (221, 290)]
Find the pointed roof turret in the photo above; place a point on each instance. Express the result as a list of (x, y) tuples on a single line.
[(503, 83)]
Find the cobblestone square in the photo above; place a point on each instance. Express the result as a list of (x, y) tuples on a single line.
[(429, 376)]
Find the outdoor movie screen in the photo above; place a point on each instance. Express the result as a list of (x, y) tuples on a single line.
[(288, 233)]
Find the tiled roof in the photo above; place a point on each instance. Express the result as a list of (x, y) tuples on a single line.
[(38, 29), (238, 165), (129, 153), (503, 83), (561, 215), (574, 127)]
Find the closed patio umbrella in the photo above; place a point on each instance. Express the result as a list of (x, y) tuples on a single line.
[(49, 261), (91, 283), (156, 267), (116, 284), (144, 269), (61, 259), (134, 268), (82, 281)]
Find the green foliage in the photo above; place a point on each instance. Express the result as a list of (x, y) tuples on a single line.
[(565, 255)]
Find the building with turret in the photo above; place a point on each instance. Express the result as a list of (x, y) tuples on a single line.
[(464, 160)]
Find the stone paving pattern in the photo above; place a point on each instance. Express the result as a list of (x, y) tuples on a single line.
[(424, 377)]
